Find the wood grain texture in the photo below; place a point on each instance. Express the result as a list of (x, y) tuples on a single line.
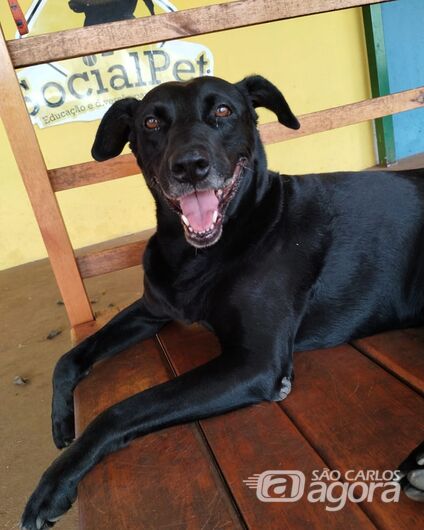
[(197, 21), (74, 176), (253, 440), (31, 165), (115, 258), (400, 352), (360, 417), (125, 165), (345, 412), (344, 115), (80, 332), (163, 480)]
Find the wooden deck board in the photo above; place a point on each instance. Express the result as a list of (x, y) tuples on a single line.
[(401, 352), (345, 412), (254, 440), (358, 416), (163, 480)]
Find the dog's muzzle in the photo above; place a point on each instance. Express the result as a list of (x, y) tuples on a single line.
[(202, 212)]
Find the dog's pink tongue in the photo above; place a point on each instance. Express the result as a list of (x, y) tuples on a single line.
[(199, 208)]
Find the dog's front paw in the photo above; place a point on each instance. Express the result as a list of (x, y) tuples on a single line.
[(63, 421), (51, 499), (65, 379), (412, 474)]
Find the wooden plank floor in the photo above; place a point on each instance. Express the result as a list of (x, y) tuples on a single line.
[(355, 407)]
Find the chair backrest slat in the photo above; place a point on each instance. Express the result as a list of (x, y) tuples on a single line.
[(344, 115), (31, 164), (116, 257), (68, 177), (147, 30)]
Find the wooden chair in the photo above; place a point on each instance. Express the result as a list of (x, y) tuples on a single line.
[(353, 407)]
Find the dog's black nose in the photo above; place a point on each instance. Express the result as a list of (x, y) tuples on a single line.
[(190, 166)]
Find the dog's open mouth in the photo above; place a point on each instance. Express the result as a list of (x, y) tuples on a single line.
[(202, 212)]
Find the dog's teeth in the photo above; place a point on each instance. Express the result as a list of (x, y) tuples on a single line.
[(211, 227), (185, 220), (190, 229), (215, 217), (219, 193)]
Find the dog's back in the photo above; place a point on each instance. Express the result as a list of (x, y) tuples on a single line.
[(372, 277)]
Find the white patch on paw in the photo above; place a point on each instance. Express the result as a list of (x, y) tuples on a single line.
[(285, 387), (414, 494)]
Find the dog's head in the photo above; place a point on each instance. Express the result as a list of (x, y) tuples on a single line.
[(193, 141)]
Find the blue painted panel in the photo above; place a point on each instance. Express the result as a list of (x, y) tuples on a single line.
[(403, 22)]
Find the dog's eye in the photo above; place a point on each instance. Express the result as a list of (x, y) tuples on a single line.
[(223, 111), (151, 123)]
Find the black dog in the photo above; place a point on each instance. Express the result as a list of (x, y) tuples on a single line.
[(270, 263)]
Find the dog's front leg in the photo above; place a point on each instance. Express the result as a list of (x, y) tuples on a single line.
[(225, 383), (137, 322)]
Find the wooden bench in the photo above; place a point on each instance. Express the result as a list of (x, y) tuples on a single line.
[(353, 407)]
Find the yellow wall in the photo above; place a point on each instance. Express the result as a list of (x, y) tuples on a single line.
[(317, 61)]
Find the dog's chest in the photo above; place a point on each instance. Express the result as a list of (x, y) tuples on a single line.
[(183, 293), (188, 304)]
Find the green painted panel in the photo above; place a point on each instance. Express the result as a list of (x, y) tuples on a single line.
[(379, 78)]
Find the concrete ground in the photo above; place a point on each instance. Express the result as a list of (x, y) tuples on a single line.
[(30, 312)]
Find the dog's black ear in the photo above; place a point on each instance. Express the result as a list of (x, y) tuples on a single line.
[(262, 93), (114, 129)]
